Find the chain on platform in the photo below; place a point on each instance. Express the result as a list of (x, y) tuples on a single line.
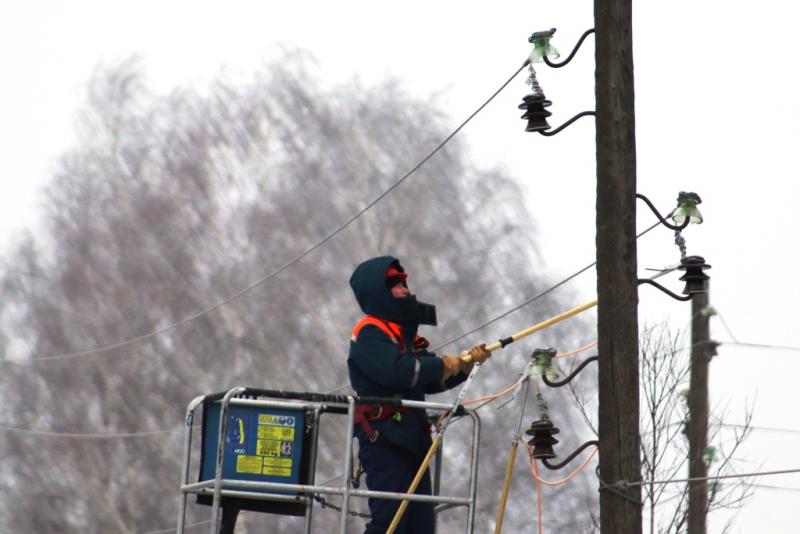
[(325, 504)]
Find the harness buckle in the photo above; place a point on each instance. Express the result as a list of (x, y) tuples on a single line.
[(374, 437)]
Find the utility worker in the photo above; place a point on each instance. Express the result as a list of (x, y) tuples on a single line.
[(388, 359)]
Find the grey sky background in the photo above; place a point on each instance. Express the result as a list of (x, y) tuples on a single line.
[(717, 113)]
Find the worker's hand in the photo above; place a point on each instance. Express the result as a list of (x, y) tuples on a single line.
[(452, 366), (477, 354)]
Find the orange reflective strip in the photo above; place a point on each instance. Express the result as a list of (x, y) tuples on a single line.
[(386, 327)]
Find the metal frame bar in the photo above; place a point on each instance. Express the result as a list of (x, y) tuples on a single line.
[(220, 487), (312, 467), (187, 452)]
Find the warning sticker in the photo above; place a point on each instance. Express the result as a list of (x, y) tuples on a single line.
[(271, 447), (278, 420), (278, 462), (280, 433), (277, 471), (248, 464)]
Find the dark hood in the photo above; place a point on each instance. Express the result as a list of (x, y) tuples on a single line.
[(369, 286)]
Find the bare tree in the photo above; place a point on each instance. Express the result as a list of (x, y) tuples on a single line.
[(664, 378), (168, 206)]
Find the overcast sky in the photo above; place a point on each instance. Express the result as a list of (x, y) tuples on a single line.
[(717, 113)]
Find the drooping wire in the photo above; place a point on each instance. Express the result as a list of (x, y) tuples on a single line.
[(512, 310), (725, 325), (764, 428), (577, 351), (525, 375), (539, 481), (528, 301), (626, 483), (515, 308), (759, 345), (48, 433), (779, 488), (538, 496), (172, 529), (96, 435), (289, 263), (535, 470)]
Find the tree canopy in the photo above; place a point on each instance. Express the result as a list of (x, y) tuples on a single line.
[(167, 210)]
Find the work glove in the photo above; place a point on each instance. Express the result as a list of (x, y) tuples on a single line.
[(477, 354), (452, 366)]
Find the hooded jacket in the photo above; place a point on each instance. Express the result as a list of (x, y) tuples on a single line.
[(380, 367)]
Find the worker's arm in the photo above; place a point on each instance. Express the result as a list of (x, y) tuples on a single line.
[(451, 373)]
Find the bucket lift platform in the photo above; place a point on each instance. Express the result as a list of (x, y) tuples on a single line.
[(259, 453)]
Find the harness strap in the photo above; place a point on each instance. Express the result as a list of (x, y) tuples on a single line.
[(371, 412)]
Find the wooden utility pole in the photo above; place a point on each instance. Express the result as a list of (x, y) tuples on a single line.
[(698, 415), (617, 317)]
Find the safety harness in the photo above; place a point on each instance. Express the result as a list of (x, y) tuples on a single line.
[(366, 413)]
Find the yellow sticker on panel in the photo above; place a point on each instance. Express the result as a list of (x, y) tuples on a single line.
[(248, 464), (268, 447), (278, 462), (277, 471), (280, 433)]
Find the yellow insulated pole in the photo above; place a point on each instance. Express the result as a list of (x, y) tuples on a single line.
[(535, 328), (414, 483), (491, 348), (501, 509), (512, 454)]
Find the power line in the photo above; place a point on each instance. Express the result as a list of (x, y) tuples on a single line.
[(531, 299), (625, 483), (725, 325), (759, 345), (172, 529), (289, 263), (515, 308), (764, 428), (781, 488), (48, 433)]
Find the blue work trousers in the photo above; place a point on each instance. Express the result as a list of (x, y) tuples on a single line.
[(391, 468)]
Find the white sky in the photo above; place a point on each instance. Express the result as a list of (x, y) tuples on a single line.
[(717, 113)]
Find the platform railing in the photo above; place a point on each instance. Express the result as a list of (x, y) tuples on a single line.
[(220, 487)]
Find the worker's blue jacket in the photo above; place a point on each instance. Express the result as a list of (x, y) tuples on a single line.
[(381, 366)]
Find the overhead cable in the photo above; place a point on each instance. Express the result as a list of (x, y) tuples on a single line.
[(764, 428), (759, 345), (725, 325), (779, 488), (528, 301), (625, 483), (515, 308), (8, 428), (172, 529), (286, 265)]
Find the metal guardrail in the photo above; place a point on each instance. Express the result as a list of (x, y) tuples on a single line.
[(316, 403)]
